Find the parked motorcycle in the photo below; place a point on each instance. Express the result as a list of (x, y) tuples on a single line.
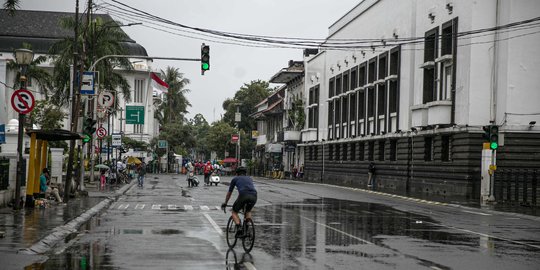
[(192, 180)]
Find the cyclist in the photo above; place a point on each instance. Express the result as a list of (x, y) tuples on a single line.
[(247, 196)]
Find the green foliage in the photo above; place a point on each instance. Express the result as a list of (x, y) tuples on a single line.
[(246, 98), (219, 138), (297, 114), (33, 72), (11, 6), (200, 132), (174, 106), (134, 144), (48, 116)]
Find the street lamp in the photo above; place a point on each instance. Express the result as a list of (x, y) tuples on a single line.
[(23, 57)]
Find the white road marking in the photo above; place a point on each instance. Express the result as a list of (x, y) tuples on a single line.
[(435, 267), (188, 207), (477, 213), (218, 208), (171, 207), (205, 208), (214, 224), (156, 206), (140, 206), (339, 231), (123, 206)]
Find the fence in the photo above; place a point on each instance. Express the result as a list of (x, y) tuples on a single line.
[(517, 186)]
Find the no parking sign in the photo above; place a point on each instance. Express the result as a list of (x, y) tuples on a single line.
[(22, 101)]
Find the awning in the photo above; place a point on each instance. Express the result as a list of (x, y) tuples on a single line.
[(54, 134), (230, 160)]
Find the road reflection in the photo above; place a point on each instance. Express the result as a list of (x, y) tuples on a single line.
[(232, 262)]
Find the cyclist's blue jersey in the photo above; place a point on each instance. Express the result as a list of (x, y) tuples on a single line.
[(244, 184)]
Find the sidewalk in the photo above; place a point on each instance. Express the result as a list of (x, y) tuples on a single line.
[(29, 232)]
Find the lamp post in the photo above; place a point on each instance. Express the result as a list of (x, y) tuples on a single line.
[(23, 57), (238, 119)]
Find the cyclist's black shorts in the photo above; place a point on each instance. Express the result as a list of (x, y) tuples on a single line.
[(248, 200)]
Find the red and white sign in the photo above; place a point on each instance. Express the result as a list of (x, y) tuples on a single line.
[(234, 138), (22, 101), (101, 132)]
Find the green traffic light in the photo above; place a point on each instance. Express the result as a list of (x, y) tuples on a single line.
[(86, 138), (205, 66), (494, 145)]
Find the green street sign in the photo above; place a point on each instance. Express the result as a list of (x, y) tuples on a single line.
[(162, 144), (135, 115)]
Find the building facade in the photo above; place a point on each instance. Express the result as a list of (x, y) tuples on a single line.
[(413, 98)]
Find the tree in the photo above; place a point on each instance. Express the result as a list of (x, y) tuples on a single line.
[(100, 39), (11, 6), (49, 116), (174, 106), (245, 99), (219, 138), (200, 132)]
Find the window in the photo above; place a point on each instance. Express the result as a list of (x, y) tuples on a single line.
[(394, 62), (330, 152), (428, 148), (393, 97), (352, 147), (445, 148), (315, 152), (361, 105), (446, 65), (393, 150), (331, 88), (344, 152), (344, 116), (381, 96), (372, 70), (330, 120), (354, 78), (371, 103), (383, 67), (430, 53), (313, 111), (345, 81), (371, 150), (381, 150), (362, 75), (337, 117), (138, 96), (138, 129), (337, 152), (338, 85), (361, 151)]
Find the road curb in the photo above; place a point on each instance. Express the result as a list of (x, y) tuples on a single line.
[(62, 232)]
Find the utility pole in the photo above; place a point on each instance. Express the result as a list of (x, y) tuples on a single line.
[(75, 106)]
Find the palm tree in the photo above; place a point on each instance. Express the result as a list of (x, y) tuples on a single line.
[(99, 39), (33, 72), (175, 105), (11, 6)]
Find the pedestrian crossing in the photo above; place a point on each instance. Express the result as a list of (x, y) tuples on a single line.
[(142, 206)]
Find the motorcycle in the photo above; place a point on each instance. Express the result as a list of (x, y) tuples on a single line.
[(214, 179), (192, 180)]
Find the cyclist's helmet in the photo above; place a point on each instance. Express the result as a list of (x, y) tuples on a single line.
[(241, 170)]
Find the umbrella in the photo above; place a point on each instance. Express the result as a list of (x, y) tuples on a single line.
[(102, 166), (133, 160)]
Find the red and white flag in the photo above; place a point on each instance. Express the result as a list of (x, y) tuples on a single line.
[(158, 85)]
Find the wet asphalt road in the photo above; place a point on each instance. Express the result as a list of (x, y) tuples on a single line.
[(166, 225)]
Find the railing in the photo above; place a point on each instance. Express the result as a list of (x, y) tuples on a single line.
[(517, 186)]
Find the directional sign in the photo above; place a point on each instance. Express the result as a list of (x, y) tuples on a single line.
[(101, 132), (88, 83), (135, 115), (117, 140), (162, 144), (105, 99), (22, 101)]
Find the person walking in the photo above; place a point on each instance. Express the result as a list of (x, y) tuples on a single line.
[(208, 168), (190, 174), (141, 171), (371, 174)]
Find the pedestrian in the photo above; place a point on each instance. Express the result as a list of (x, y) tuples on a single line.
[(45, 188), (141, 171), (371, 174), (102, 179), (294, 171), (208, 168), (301, 171), (190, 174)]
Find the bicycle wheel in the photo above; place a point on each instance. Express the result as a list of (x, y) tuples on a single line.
[(249, 240), (231, 233)]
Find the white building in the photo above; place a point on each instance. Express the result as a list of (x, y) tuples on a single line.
[(40, 29), (414, 94)]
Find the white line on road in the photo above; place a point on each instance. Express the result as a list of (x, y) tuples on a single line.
[(477, 213), (214, 224), (171, 207), (339, 231), (156, 206), (188, 207), (205, 208), (123, 206), (140, 206), (250, 266)]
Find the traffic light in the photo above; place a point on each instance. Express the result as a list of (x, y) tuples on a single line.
[(486, 133), (205, 58), (493, 137), (88, 129)]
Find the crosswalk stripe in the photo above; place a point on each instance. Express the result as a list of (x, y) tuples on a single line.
[(188, 207), (140, 206), (156, 206), (123, 206), (171, 207), (205, 208)]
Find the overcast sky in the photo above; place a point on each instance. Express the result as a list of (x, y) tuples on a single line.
[(230, 65)]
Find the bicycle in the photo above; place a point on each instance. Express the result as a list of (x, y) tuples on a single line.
[(248, 227)]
